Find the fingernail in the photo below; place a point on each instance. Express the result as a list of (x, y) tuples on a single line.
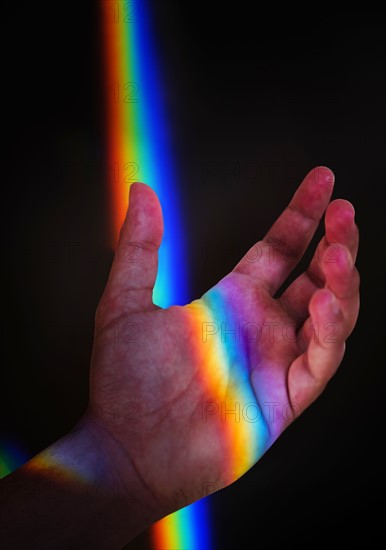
[(325, 175), (334, 305), (352, 211), (350, 260)]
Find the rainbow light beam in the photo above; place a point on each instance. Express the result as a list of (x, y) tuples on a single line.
[(12, 456), (139, 149), (138, 136)]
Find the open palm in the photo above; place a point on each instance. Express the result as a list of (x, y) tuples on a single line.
[(192, 396)]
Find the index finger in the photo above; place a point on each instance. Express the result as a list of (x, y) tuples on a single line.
[(288, 238)]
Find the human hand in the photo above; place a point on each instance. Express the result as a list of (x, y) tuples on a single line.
[(164, 382)]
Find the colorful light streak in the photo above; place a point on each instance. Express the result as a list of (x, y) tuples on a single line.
[(11, 457), (139, 149), (139, 142)]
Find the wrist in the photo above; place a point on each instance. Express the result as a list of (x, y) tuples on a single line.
[(109, 466), (81, 479)]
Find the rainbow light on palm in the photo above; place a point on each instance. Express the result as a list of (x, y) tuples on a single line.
[(139, 149)]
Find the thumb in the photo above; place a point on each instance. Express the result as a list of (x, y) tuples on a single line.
[(134, 270)]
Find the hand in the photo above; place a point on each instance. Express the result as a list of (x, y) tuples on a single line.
[(179, 398)]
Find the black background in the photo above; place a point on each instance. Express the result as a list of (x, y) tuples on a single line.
[(255, 98)]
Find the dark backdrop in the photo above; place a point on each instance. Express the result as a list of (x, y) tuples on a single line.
[(255, 99)]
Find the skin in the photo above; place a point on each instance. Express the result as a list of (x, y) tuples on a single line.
[(143, 437)]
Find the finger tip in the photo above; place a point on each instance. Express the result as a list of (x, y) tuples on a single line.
[(341, 208), (323, 175), (324, 305), (321, 298), (337, 261), (136, 186), (142, 191)]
